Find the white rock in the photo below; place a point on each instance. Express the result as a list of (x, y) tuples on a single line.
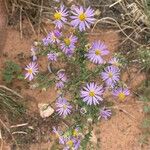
[(45, 110)]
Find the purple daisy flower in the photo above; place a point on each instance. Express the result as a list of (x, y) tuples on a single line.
[(63, 108), (32, 70), (68, 45), (60, 17), (111, 75), (53, 37), (70, 143), (121, 93), (82, 18), (52, 56), (33, 53), (91, 94), (45, 41), (60, 85), (96, 52), (59, 135), (105, 113), (115, 62), (77, 144), (61, 76)]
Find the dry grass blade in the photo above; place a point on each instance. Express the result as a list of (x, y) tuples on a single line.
[(10, 90), (10, 102), (21, 22), (1, 139), (115, 3), (8, 130), (111, 20), (19, 125), (40, 17)]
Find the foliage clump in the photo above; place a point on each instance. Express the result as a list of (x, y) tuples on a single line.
[(11, 71)]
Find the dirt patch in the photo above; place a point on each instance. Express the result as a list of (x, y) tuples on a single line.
[(122, 131)]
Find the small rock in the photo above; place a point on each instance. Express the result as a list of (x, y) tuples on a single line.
[(45, 110), (97, 12)]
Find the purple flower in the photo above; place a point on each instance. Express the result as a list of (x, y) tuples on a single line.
[(115, 62), (60, 85), (45, 41), (68, 45), (63, 108), (60, 17), (121, 93), (91, 94), (61, 76), (59, 135), (82, 18), (70, 143), (53, 37), (105, 113), (77, 144), (33, 53), (32, 70), (52, 56), (96, 52), (111, 75)]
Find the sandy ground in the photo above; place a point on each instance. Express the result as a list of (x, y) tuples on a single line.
[(121, 132)]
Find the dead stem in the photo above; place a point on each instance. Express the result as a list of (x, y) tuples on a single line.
[(30, 23), (2, 143), (19, 132), (40, 18), (19, 125), (117, 24), (48, 8), (10, 90), (8, 130), (21, 22), (115, 3)]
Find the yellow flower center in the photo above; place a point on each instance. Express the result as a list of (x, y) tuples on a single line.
[(57, 15), (116, 64), (70, 143), (54, 37), (97, 52), (82, 16), (121, 96), (75, 133), (67, 41), (30, 71), (57, 135), (110, 75), (92, 93), (65, 107)]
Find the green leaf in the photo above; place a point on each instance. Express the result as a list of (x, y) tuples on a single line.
[(146, 109), (146, 123)]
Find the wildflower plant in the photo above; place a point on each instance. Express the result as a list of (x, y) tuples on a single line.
[(81, 90)]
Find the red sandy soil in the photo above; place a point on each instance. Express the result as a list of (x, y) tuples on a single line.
[(121, 132)]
